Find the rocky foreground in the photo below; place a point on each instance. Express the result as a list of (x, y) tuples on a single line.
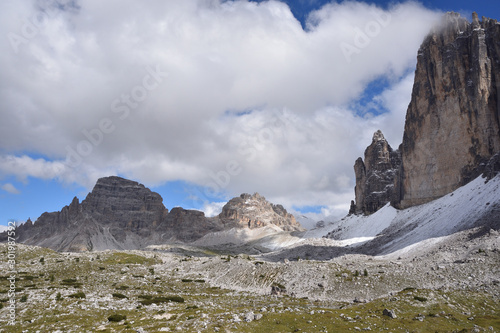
[(451, 286)]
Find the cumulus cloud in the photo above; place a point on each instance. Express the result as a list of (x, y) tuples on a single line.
[(213, 208), (200, 89), (25, 166), (10, 188)]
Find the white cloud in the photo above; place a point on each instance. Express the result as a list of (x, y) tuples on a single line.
[(213, 208), (10, 188), (62, 88)]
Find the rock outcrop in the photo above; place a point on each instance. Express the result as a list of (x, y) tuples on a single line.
[(123, 214), (254, 211), (117, 214), (375, 176), (452, 124)]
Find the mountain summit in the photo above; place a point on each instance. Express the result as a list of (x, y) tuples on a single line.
[(254, 211), (375, 176)]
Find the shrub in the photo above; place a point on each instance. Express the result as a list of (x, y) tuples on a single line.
[(42, 260), (117, 317), (118, 295), (365, 272), (59, 297), (128, 258), (279, 285), (145, 296), (421, 299), (187, 280), (177, 299), (77, 295), (24, 298), (199, 281), (162, 299), (71, 282), (122, 287)]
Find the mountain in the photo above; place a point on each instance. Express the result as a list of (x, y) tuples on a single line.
[(254, 211), (444, 177), (123, 214), (117, 214), (452, 126), (375, 176)]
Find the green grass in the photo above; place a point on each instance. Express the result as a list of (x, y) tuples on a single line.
[(128, 258), (117, 317), (79, 294), (162, 299)]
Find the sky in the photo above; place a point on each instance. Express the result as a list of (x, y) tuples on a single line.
[(202, 100)]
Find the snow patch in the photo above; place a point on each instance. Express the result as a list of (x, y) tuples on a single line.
[(421, 226)]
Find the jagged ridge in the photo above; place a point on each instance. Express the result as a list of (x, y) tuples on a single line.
[(123, 214)]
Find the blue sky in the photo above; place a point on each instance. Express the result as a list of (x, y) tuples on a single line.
[(234, 85), (302, 8)]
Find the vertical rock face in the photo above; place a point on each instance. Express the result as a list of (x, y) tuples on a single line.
[(452, 124), (375, 176)]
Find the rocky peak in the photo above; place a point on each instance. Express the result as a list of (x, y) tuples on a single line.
[(254, 211), (74, 206), (452, 123), (375, 176), (28, 222), (113, 194), (378, 136), (377, 154), (118, 213)]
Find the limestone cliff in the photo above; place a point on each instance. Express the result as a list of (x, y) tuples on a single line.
[(254, 211), (452, 123), (375, 176)]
